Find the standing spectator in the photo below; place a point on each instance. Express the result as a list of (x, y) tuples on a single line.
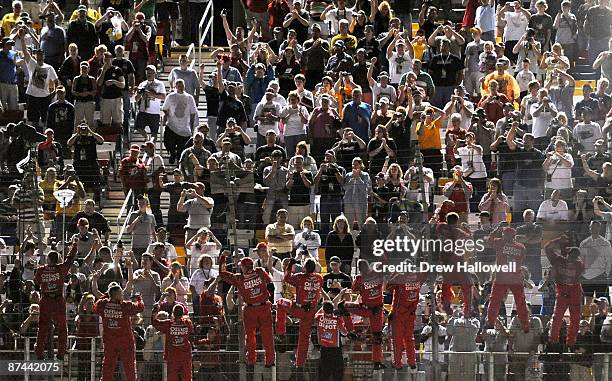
[(523, 344), (473, 50), (69, 69), (485, 19), (587, 132), (275, 177), (180, 118), (299, 182), (280, 235), (495, 202), (60, 117), (194, 158), (530, 235), (542, 23), (198, 207), (357, 189), (430, 144), (9, 60), (53, 42), (294, 117), (597, 27), (41, 86), (542, 112), (128, 73), (463, 331), (596, 254), (84, 143), (496, 340), (553, 210), (189, 77), (84, 92), (322, 128), (132, 174), (357, 115), (473, 167), (267, 116), (149, 95), (154, 167), (50, 155), (298, 20), (141, 227), (446, 71), (329, 180), (558, 167), (566, 26), (82, 32), (604, 63), (176, 219), (459, 192), (137, 43), (516, 20), (175, 280), (111, 81)]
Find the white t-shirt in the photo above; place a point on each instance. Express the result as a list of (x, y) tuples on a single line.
[(39, 79), (427, 346), (153, 104), (200, 276), (293, 124), (542, 121), (178, 109), (523, 78), (263, 107), (587, 135), (399, 65), (209, 248), (379, 92), (516, 25), (551, 213), (336, 15), (560, 173), (470, 155), (466, 119)]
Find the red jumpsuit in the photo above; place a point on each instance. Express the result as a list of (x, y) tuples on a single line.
[(257, 311), (454, 277), (508, 251), (118, 336), (329, 328), (403, 315), (50, 279), (307, 294), (567, 273), (178, 346), (370, 288)]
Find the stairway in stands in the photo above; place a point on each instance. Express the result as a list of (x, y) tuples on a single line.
[(115, 198)]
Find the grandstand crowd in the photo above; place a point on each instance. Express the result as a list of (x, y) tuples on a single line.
[(330, 126)]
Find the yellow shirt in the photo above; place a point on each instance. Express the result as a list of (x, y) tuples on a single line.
[(419, 50), (92, 15), (430, 138), (8, 22), (507, 85), (48, 188)]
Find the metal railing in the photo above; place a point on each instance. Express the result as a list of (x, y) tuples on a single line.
[(483, 362), (206, 31)]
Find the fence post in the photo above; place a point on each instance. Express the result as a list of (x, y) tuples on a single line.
[(165, 371), (92, 360), (606, 367), (491, 367), (27, 357)]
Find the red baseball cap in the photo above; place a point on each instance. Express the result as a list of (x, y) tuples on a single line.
[(134, 147), (262, 245)]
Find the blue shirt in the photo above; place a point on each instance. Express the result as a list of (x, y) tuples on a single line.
[(8, 73), (485, 18), (358, 118)]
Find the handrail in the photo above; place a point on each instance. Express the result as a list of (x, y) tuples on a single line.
[(123, 208), (190, 51), (209, 13)]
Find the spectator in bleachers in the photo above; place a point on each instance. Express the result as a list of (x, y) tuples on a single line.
[(71, 181), (194, 158), (83, 143), (146, 282), (137, 43), (50, 153), (11, 18), (8, 75), (149, 95), (69, 69), (175, 280), (597, 27), (188, 75), (553, 209), (516, 20), (180, 118), (84, 92), (96, 220), (357, 188), (495, 202), (111, 82), (141, 225), (53, 41), (82, 32), (111, 28), (198, 208), (132, 174), (542, 24)]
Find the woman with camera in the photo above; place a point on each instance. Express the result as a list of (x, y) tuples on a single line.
[(495, 202), (558, 167)]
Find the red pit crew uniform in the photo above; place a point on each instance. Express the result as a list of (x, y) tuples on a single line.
[(406, 290), (329, 328), (508, 251), (308, 292), (455, 277), (566, 274), (118, 336), (50, 279), (257, 312), (178, 346), (370, 288)]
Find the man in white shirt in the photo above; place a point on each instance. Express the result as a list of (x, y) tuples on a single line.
[(267, 115), (180, 118), (149, 96), (542, 112), (485, 19), (587, 132), (473, 167), (41, 85), (596, 253), (399, 54), (516, 21), (553, 210), (333, 14)]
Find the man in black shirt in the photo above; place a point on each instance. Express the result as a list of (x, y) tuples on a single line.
[(297, 20), (335, 280), (96, 220), (128, 72), (506, 163), (299, 183), (446, 71), (271, 146), (329, 180), (399, 131), (530, 235), (176, 219), (83, 34), (111, 82), (84, 143), (84, 93), (348, 148), (60, 117), (229, 105), (528, 186)]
